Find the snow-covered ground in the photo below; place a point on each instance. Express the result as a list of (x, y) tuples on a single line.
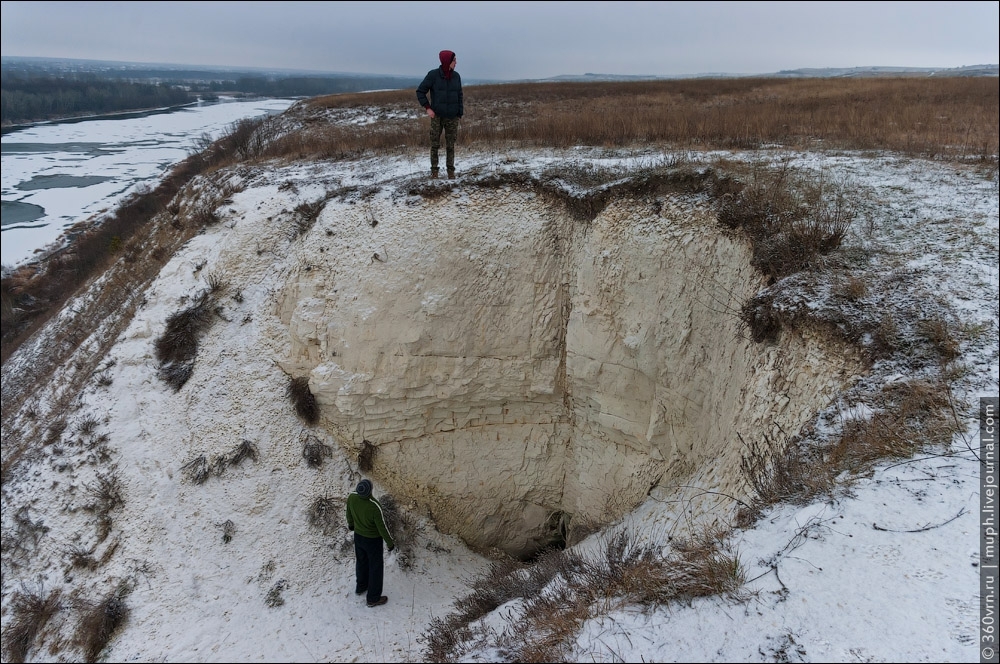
[(888, 572)]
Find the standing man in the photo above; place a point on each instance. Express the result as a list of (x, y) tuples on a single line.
[(445, 108), (364, 517)]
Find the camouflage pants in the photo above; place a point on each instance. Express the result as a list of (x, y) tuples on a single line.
[(450, 127)]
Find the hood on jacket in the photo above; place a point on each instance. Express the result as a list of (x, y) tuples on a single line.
[(446, 58)]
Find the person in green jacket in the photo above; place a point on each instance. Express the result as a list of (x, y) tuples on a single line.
[(365, 519)]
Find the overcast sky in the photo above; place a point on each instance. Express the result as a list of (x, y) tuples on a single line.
[(511, 40)]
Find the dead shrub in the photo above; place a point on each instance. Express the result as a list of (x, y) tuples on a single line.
[(303, 400), (327, 515), (87, 425), (789, 221), (196, 470), (177, 347), (315, 451), (55, 431), (106, 490), (366, 456), (20, 541), (245, 450), (228, 531), (405, 529), (443, 638), (216, 284), (273, 598), (760, 318), (31, 611), (204, 214), (99, 622), (81, 557)]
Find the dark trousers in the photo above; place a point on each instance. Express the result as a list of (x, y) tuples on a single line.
[(450, 128), (368, 568)]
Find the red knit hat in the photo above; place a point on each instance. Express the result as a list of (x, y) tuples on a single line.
[(446, 58)]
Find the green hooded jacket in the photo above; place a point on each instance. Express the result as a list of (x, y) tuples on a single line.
[(364, 516)]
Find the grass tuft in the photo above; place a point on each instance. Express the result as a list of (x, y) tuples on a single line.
[(99, 623), (31, 611)]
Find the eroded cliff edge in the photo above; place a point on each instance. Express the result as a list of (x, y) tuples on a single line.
[(524, 375)]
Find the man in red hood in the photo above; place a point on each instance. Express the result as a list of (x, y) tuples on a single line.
[(444, 107)]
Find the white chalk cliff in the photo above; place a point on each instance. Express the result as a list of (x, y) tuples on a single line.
[(524, 375)]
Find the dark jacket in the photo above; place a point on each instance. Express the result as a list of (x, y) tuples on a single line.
[(446, 96), (364, 516)]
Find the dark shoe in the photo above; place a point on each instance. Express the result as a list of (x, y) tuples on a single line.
[(451, 175), (434, 175), (360, 592), (381, 600)]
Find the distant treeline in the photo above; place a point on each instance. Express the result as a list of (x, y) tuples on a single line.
[(36, 96), (25, 100), (308, 86)]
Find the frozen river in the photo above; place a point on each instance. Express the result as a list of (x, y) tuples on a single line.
[(55, 175)]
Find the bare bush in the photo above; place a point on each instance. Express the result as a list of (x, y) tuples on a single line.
[(87, 425), (228, 531), (405, 529), (245, 450), (303, 400), (216, 284), (788, 220), (327, 514), (81, 557), (177, 347), (196, 470), (938, 332), (315, 451), (914, 416), (273, 598), (19, 542), (366, 456)]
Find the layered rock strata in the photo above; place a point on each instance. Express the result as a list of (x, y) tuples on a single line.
[(521, 374)]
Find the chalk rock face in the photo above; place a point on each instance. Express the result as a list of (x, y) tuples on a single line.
[(524, 375)]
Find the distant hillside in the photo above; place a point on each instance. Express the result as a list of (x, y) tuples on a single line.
[(825, 72)]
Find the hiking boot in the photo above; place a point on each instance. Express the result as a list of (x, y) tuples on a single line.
[(434, 174), (379, 602), (451, 175)]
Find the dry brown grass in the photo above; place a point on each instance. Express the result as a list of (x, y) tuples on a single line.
[(908, 417), (946, 117), (562, 589), (99, 621), (31, 611), (914, 416)]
